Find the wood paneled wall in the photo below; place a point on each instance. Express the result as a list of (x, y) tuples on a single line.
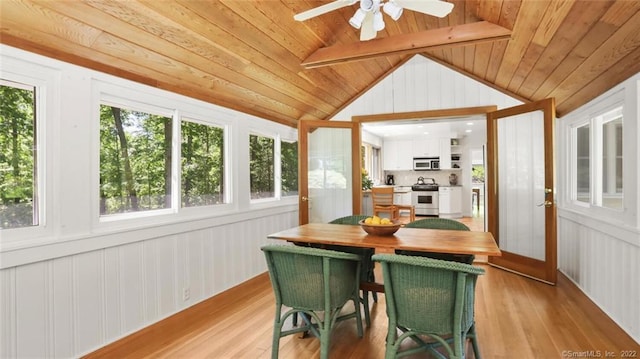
[(601, 257), (80, 283), (599, 249), (72, 304), (604, 261), (422, 84), (69, 306)]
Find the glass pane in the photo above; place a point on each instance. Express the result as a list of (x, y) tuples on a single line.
[(521, 171), (202, 165), (329, 174), (583, 169), (18, 160), (261, 166), (135, 161), (289, 155), (612, 186)]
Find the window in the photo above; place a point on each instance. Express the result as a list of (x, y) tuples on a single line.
[(289, 167), (135, 160), (18, 156), (371, 162), (202, 164), (477, 173), (610, 126), (583, 168), (261, 166), (598, 171)]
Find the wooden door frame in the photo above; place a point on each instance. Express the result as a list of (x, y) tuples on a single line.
[(306, 126), (546, 270), (426, 115)]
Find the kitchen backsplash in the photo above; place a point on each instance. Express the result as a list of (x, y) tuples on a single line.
[(408, 178)]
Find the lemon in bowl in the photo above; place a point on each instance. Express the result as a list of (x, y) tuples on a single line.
[(379, 226)]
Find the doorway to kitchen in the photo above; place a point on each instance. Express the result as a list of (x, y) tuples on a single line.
[(452, 133), (478, 188)]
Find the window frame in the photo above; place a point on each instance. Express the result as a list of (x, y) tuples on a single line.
[(111, 99), (226, 179), (277, 168), (283, 138), (617, 97), (573, 151), (46, 87), (132, 97), (278, 137)]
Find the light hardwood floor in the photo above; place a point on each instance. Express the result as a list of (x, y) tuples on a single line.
[(516, 318)]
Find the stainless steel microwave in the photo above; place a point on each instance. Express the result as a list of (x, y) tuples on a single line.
[(426, 163)]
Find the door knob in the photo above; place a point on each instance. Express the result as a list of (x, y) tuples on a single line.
[(546, 204), (304, 199), (548, 190)]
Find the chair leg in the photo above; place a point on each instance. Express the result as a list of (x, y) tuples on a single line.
[(365, 304), (325, 337), (277, 330), (474, 342), (358, 316)]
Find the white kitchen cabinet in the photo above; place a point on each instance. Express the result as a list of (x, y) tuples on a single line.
[(445, 153), (426, 147), (367, 204), (456, 154), (402, 198), (397, 155), (450, 202)]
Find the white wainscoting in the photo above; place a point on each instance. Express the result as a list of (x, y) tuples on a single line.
[(73, 305), (604, 261)]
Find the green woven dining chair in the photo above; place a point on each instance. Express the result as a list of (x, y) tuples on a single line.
[(430, 302), (312, 281), (440, 223), (367, 272)]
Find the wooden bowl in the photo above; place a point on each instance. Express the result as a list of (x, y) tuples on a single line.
[(380, 229)]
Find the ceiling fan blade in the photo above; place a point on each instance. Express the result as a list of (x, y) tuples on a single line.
[(430, 7), (323, 9), (367, 31)]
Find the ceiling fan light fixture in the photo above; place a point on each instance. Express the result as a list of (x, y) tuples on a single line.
[(367, 5), (357, 18), (378, 22), (392, 9)]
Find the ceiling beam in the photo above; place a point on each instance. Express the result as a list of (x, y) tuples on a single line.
[(458, 35)]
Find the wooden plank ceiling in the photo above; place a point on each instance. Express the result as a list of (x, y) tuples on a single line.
[(247, 55)]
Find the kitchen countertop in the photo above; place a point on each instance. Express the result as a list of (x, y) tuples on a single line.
[(397, 189)]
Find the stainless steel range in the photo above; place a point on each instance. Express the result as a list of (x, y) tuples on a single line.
[(424, 197)]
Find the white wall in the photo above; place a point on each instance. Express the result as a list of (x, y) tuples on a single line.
[(78, 284), (421, 84), (80, 289), (601, 256), (599, 249)]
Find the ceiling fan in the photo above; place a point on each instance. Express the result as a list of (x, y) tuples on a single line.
[(368, 18)]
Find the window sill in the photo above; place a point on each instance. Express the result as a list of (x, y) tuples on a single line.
[(34, 250)]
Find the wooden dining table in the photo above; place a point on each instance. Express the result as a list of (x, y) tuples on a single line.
[(410, 239)]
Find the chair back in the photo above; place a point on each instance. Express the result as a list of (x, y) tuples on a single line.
[(353, 220), (312, 278), (428, 295), (382, 196), (438, 223)]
